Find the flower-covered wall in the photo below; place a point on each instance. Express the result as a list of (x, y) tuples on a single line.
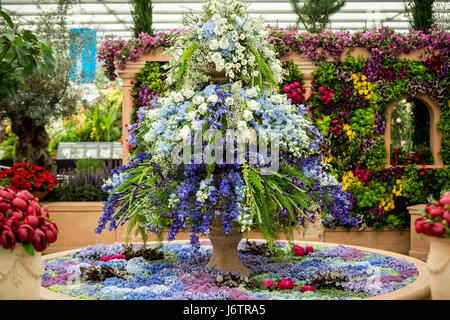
[(355, 86)]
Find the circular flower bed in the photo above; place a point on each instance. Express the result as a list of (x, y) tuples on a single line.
[(169, 271)]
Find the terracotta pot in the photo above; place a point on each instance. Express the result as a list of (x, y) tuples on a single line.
[(39, 194), (20, 274), (438, 264), (225, 255)]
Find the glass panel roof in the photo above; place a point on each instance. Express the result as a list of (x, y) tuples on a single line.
[(112, 17)]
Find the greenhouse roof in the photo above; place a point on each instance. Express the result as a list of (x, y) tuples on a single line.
[(112, 17)]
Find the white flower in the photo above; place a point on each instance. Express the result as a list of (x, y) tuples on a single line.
[(218, 30), (242, 125), (188, 93), (231, 74), (253, 105), (223, 43), (277, 98), (235, 87), (252, 92), (229, 100), (203, 108), (248, 115), (242, 36), (185, 132), (198, 99), (213, 98), (247, 27), (216, 18), (178, 97), (213, 44), (239, 21), (190, 116)]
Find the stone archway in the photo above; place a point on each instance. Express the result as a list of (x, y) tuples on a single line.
[(435, 137)]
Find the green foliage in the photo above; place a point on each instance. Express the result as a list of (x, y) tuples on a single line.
[(259, 249), (414, 188), (375, 158), (419, 13), (354, 65), (328, 280), (148, 253), (315, 14), (293, 74), (362, 121), (96, 273), (325, 74), (86, 164), (22, 54), (444, 130), (142, 15), (233, 280)]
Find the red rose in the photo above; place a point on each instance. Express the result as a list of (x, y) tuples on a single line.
[(23, 233), (438, 229), (19, 204), (446, 216), (37, 239), (33, 221), (50, 236), (7, 238)]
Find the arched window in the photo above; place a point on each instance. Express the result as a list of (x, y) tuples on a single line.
[(411, 132)]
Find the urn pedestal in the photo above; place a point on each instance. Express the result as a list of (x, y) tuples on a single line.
[(438, 265), (225, 253), (20, 274)]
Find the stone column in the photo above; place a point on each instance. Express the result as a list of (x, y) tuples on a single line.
[(129, 78), (419, 244)]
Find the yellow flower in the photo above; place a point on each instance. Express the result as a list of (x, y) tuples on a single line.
[(8, 129), (368, 96), (102, 126), (346, 127), (94, 129), (354, 76), (360, 92), (363, 78), (366, 92)]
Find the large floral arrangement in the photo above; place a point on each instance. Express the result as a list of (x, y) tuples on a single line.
[(25, 176), (155, 193), (23, 220), (435, 220)]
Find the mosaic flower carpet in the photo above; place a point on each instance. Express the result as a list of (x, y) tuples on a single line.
[(171, 271)]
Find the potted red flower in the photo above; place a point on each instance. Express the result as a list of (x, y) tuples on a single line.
[(25, 176), (24, 221), (435, 224)]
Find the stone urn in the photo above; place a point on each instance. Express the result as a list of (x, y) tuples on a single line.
[(225, 254), (20, 274), (438, 264), (39, 194)]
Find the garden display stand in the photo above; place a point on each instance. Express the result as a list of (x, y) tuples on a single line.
[(20, 274), (225, 255), (438, 265)]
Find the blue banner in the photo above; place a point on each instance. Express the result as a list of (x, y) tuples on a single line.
[(83, 50)]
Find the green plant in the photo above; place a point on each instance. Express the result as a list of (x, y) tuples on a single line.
[(419, 13), (142, 15), (328, 280), (293, 74), (22, 54), (315, 14), (48, 97)]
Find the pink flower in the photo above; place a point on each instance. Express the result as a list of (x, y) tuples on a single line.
[(298, 251), (309, 249), (106, 258), (307, 288), (119, 256), (269, 283), (286, 284)]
